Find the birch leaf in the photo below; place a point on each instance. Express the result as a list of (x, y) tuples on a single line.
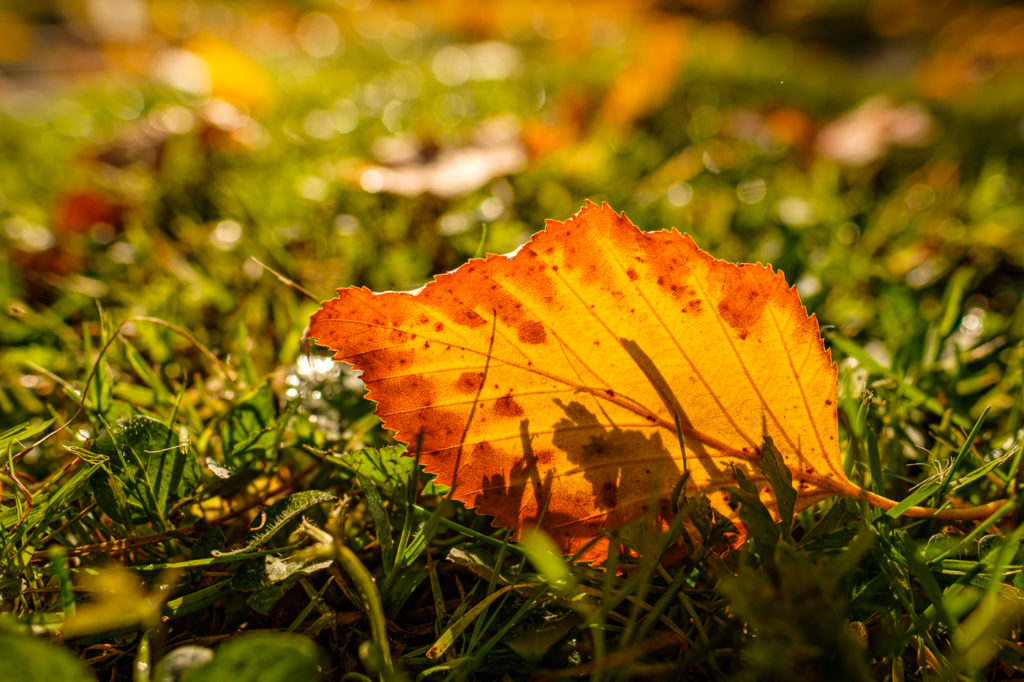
[(556, 385)]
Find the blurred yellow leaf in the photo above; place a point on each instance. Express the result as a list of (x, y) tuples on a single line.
[(233, 75), (119, 600), (645, 83)]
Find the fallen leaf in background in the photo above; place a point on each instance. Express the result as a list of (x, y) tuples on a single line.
[(79, 210), (83, 218), (971, 50), (233, 75), (560, 128), (211, 66), (651, 77), (220, 125), (783, 127), (864, 134), (450, 171)]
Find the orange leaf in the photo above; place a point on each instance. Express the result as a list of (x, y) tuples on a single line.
[(547, 385), (640, 87)]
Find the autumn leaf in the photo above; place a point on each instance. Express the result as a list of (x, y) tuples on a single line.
[(571, 384), (233, 76), (644, 84)]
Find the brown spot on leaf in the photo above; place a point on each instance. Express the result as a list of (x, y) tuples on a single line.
[(507, 407), (421, 389), (532, 332), (544, 456), (469, 382), (442, 432), (412, 391), (383, 363), (484, 451), (631, 273), (742, 302), (469, 318)]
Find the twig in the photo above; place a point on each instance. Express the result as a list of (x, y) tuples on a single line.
[(288, 282)]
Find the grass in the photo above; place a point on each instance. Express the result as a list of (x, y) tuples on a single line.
[(189, 483)]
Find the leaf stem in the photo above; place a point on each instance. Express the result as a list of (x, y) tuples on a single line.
[(945, 514)]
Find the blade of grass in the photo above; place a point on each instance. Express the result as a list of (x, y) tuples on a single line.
[(448, 637), (381, 522), (960, 455), (465, 530), (379, 646), (484, 649), (481, 622), (908, 389)]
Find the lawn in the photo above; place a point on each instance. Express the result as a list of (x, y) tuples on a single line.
[(192, 489)]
